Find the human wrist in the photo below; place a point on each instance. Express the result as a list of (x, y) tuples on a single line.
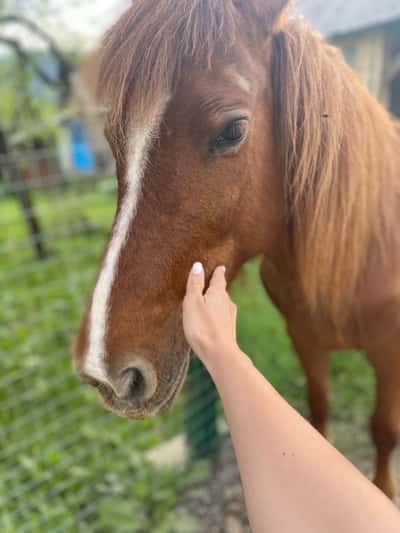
[(218, 357)]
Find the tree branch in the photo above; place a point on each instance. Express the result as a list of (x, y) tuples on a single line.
[(65, 68), (33, 27), (25, 59)]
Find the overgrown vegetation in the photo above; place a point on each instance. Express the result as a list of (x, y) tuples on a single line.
[(65, 464)]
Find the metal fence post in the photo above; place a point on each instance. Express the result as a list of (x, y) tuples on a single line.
[(200, 412)]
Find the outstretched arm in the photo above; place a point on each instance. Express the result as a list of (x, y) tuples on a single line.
[(293, 479)]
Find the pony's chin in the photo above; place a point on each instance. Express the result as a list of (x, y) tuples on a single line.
[(150, 409)]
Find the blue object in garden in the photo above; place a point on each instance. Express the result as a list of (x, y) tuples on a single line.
[(82, 155)]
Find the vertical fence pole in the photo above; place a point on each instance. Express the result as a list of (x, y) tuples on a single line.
[(24, 199), (200, 412), (31, 220)]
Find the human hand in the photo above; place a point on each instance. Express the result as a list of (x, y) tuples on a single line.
[(209, 320)]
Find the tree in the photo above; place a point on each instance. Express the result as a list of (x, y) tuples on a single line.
[(21, 106), (62, 80)]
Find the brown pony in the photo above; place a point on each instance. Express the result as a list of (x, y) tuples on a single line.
[(238, 132)]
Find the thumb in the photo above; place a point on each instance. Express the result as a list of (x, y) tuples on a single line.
[(196, 281)]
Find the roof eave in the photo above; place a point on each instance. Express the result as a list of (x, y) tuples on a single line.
[(365, 29)]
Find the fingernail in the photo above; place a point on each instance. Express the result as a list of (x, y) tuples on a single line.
[(197, 269), (224, 269)]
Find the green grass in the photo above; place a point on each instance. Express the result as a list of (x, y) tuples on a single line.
[(65, 464)]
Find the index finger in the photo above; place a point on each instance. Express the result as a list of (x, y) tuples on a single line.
[(196, 281)]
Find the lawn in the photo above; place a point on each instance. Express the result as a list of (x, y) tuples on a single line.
[(65, 464)]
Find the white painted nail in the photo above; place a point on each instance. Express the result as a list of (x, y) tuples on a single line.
[(197, 269)]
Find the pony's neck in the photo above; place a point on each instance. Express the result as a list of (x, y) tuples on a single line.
[(337, 149)]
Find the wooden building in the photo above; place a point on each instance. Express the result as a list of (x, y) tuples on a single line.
[(368, 32)]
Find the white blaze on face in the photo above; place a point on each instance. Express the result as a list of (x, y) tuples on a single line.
[(243, 83), (138, 148), (239, 80)]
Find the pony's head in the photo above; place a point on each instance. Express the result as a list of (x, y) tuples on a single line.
[(189, 94), (218, 124)]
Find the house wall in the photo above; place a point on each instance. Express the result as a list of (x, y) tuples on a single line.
[(366, 54), (395, 95), (393, 68)]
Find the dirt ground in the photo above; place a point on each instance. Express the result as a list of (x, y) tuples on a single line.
[(218, 506)]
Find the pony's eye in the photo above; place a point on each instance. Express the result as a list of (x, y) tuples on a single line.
[(232, 135)]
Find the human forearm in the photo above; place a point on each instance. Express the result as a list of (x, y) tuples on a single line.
[(294, 480)]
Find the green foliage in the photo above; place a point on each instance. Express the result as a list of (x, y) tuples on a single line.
[(24, 109), (28, 104)]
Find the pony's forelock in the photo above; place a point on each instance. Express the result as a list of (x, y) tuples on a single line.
[(142, 55)]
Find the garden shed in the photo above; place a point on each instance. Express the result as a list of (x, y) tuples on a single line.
[(368, 32)]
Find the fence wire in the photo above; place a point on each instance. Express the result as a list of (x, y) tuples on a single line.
[(65, 464)]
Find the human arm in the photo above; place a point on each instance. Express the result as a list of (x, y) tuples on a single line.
[(294, 480)]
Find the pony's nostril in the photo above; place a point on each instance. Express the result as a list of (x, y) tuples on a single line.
[(137, 383), (134, 386)]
